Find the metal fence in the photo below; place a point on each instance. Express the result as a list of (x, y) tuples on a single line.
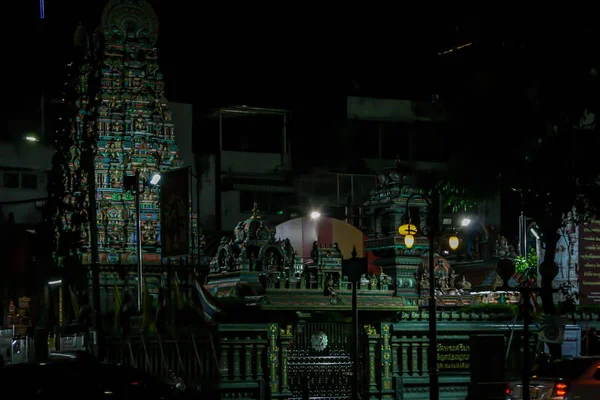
[(193, 358)]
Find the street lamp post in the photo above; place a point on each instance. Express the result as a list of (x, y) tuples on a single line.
[(132, 183), (408, 230), (354, 268)]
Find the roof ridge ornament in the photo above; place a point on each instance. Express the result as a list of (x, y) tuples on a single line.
[(255, 211)]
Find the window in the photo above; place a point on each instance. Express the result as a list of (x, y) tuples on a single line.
[(29, 181), (11, 180)]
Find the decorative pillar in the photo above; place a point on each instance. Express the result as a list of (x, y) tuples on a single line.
[(259, 361), (224, 360), (425, 352), (405, 371), (386, 361), (415, 355), (286, 338), (273, 359), (237, 368), (248, 362), (395, 364)]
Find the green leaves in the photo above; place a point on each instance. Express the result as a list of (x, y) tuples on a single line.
[(527, 266)]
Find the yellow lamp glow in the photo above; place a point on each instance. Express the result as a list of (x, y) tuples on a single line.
[(409, 240), (453, 242), (407, 229)]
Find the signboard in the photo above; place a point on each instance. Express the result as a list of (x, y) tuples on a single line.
[(175, 213), (589, 263), (453, 355)]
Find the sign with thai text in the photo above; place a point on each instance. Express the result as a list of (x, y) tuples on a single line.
[(453, 355), (589, 262)]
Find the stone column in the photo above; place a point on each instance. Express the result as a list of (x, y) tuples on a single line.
[(395, 364), (259, 361), (405, 371), (248, 362), (425, 353), (415, 355), (237, 368), (224, 359)]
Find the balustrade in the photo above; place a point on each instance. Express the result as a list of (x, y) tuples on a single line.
[(242, 359)]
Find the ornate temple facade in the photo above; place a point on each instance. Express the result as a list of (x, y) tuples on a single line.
[(119, 124), (284, 328)]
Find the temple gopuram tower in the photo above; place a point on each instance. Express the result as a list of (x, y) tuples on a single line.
[(119, 123)]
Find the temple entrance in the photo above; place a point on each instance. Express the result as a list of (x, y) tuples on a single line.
[(320, 361)]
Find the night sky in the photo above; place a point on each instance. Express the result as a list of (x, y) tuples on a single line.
[(309, 59)]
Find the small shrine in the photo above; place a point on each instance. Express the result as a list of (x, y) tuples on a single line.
[(255, 268), (394, 201)]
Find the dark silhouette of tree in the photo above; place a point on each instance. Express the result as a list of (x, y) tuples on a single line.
[(525, 127)]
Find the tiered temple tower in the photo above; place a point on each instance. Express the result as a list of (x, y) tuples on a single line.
[(119, 123)]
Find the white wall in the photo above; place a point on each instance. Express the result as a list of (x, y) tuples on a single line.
[(24, 158)]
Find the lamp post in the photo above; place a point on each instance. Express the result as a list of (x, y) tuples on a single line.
[(408, 230), (354, 268), (132, 183)]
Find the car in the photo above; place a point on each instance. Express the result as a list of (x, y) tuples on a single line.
[(89, 379), (575, 378)]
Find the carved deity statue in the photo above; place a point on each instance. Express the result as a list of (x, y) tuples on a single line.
[(465, 284)]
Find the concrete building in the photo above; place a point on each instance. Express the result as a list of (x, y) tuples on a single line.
[(24, 166)]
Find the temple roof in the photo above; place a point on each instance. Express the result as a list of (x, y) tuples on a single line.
[(254, 228)]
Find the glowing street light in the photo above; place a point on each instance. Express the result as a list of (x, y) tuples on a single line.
[(465, 222), (315, 215), (31, 138), (155, 179), (453, 242)]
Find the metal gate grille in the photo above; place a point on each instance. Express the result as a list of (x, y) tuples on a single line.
[(325, 373)]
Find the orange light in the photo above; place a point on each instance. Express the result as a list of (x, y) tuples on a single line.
[(409, 240), (453, 242), (560, 389)]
